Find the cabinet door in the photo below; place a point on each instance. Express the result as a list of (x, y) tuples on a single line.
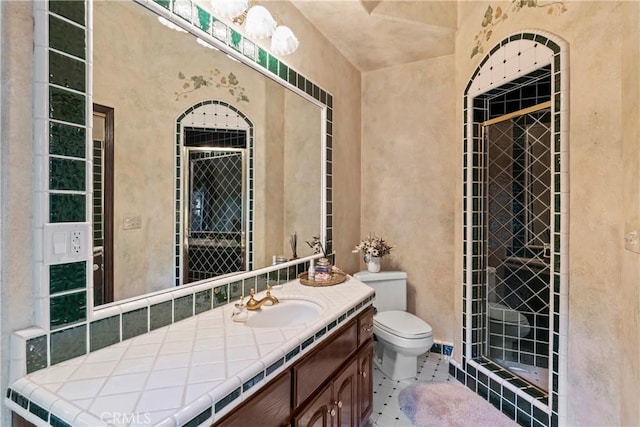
[(345, 396), (365, 326), (318, 412), (365, 383), (315, 369), (269, 407)]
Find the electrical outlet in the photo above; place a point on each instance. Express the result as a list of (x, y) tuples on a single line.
[(65, 242), (132, 222), (76, 243)]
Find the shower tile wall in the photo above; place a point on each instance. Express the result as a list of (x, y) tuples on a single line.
[(529, 52)]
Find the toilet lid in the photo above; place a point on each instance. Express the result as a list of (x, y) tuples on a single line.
[(505, 314), (403, 324)]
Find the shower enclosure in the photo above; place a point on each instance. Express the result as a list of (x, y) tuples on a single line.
[(517, 210), (215, 203), (515, 229)]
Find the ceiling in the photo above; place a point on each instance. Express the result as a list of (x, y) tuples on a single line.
[(375, 34)]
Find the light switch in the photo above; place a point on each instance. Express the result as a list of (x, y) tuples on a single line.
[(66, 242), (59, 243)]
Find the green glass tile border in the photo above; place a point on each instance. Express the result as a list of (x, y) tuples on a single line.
[(66, 71), (203, 301), (273, 64), (263, 57), (67, 37), (235, 290), (200, 418), (67, 140), (104, 332), (164, 3), (160, 314), (220, 295), (67, 106), (204, 19), (73, 10), (67, 174), (67, 207), (67, 277), (182, 308), (135, 322), (67, 309), (36, 351), (68, 343), (235, 39), (38, 411)]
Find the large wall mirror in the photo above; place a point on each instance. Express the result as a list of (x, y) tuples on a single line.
[(214, 165)]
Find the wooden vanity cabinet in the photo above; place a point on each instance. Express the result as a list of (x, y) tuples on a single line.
[(271, 406), (331, 386), (365, 382), (336, 404), (346, 399), (314, 369)]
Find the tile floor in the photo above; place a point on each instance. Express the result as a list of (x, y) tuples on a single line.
[(386, 410)]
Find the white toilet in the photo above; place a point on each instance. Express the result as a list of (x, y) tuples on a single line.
[(507, 324), (401, 336)]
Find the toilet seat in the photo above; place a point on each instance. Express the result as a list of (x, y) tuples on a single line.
[(403, 325), (504, 314)]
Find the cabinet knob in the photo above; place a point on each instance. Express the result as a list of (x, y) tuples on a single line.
[(364, 374), (338, 403), (332, 412), (368, 328)]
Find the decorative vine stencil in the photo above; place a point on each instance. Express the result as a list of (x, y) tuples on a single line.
[(493, 17), (215, 78)]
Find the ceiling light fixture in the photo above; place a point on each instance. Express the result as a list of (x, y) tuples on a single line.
[(258, 24), (229, 9), (283, 41)]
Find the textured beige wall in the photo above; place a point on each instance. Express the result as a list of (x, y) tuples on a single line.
[(603, 281), (409, 173), (630, 288), (323, 64), (16, 178)]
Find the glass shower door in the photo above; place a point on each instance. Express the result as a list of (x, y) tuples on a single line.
[(518, 270)]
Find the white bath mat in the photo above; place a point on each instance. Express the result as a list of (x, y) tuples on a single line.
[(445, 404)]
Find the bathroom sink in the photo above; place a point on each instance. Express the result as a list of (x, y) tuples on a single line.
[(288, 312)]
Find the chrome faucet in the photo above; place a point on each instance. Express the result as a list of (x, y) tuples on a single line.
[(254, 304)]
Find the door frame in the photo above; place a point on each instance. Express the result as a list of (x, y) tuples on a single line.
[(108, 174)]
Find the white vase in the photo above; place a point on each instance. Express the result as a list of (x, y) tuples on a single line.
[(373, 264)]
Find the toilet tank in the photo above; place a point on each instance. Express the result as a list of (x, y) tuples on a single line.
[(390, 287)]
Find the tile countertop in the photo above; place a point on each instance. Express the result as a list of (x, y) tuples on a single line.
[(190, 372)]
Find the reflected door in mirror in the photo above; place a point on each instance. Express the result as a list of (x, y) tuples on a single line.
[(215, 218), (102, 156)]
